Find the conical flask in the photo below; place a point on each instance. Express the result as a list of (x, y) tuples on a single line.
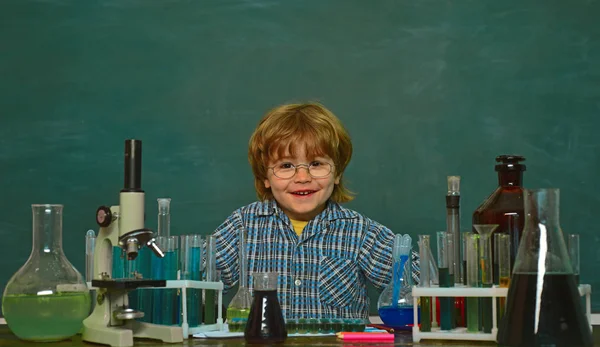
[(47, 299), (239, 307), (265, 323), (543, 306), (395, 304)]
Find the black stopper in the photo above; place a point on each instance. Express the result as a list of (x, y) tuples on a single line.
[(133, 166)]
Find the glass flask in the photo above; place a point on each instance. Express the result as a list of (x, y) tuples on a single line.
[(47, 299), (543, 306), (265, 321), (505, 205), (239, 306), (395, 304)]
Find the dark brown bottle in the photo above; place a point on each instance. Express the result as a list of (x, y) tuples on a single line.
[(505, 205)]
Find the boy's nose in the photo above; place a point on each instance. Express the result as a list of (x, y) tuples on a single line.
[(302, 174)]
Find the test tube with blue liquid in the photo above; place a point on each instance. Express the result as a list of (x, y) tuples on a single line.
[(165, 305), (191, 258)]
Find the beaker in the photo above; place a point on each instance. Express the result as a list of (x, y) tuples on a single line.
[(47, 299), (543, 306), (265, 321), (239, 306)]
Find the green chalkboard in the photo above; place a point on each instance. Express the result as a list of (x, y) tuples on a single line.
[(426, 89)]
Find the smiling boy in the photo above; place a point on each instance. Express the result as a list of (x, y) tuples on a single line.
[(324, 253)]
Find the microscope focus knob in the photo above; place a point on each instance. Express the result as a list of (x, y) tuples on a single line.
[(104, 216)]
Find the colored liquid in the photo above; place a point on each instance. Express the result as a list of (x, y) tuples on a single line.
[(46, 317), (210, 307), (194, 296), (562, 322), (237, 318), (265, 322), (400, 317), (473, 315), (425, 314), (447, 316), (194, 310), (166, 301)]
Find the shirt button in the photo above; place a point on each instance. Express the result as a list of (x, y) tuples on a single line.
[(298, 283)]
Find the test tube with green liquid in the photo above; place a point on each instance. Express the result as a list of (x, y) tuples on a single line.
[(485, 261), (211, 276), (472, 250), (425, 281), (191, 251), (446, 304)]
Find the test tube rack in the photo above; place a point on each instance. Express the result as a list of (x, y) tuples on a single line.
[(463, 291), (184, 284)]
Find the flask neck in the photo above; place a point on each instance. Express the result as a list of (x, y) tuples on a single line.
[(542, 206), (47, 228), (243, 282), (512, 178)]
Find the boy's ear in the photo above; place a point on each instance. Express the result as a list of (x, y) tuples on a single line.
[(337, 179), (267, 183)]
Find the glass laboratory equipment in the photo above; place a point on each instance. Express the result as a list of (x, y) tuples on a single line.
[(472, 250), (265, 320), (446, 304), (543, 306), (485, 261), (239, 307), (90, 244), (191, 257), (165, 302), (502, 242), (425, 281), (164, 217), (47, 299), (210, 305), (505, 205), (573, 244), (395, 304)]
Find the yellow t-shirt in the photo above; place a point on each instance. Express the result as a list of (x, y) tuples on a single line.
[(298, 226)]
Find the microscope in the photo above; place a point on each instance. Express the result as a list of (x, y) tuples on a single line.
[(113, 322)]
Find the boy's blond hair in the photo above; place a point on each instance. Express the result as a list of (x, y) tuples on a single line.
[(287, 126)]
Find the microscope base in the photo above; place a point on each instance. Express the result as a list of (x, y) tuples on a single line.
[(122, 336)]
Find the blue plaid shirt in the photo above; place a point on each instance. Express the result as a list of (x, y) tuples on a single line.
[(323, 272)]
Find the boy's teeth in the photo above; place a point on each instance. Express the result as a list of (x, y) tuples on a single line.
[(302, 193)]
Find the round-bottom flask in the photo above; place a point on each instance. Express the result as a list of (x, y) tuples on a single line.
[(47, 299)]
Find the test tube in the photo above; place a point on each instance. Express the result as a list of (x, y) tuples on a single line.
[(485, 259), (446, 304), (90, 244), (472, 250), (424, 281), (211, 276), (165, 300), (164, 217), (573, 244), (191, 251), (502, 245)]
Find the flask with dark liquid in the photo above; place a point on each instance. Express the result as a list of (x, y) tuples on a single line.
[(543, 306), (505, 205), (265, 321)]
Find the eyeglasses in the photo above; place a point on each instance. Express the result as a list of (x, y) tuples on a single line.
[(316, 169)]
